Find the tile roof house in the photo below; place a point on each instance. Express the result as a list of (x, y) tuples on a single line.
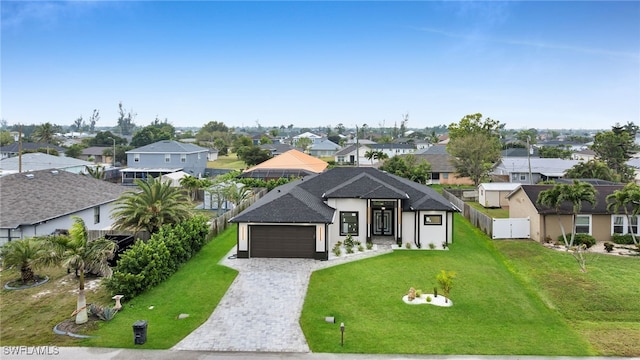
[(593, 220), (292, 163), (40, 161), (164, 157), (307, 217), (40, 202)]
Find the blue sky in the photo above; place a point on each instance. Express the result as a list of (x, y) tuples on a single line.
[(527, 64)]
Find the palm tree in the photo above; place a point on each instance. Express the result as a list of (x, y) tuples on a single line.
[(24, 254), (191, 184), (95, 172), (370, 155), (625, 198), (236, 194), (576, 194), (380, 155), (44, 133), (77, 252), (156, 204)]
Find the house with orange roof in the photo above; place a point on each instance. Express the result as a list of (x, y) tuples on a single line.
[(292, 163)]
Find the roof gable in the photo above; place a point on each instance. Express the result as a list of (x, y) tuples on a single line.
[(293, 159), (602, 191)]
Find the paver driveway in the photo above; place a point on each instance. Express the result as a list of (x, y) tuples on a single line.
[(261, 309)]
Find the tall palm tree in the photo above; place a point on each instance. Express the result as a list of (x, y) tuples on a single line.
[(191, 184), (77, 252), (626, 198), (44, 133), (156, 204), (26, 254), (236, 193), (576, 194), (370, 155)]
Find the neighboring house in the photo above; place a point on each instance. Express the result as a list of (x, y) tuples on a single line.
[(394, 149), (164, 157), (635, 164), (442, 169), (519, 152), (13, 149), (40, 161), (593, 220), (494, 195), (308, 135), (349, 155), (584, 155), (307, 217), (277, 149), (40, 202), (541, 169), (422, 144), (569, 145), (292, 163), (96, 153), (323, 148)]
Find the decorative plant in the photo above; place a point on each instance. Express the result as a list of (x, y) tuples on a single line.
[(407, 245), (348, 241), (369, 245), (418, 293), (445, 280), (608, 247), (360, 248), (445, 245), (349, 249), (435, 291), (432, 246), (336, 249), (428, 298)]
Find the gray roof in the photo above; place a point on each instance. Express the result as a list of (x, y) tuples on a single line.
[(303, 201), (392, 146), (14, 147), (440, 163), (351, 148), (434, 149), (40, 161), (324, 144), (34, 197), (169, 147), (546, 166), (95, 150)]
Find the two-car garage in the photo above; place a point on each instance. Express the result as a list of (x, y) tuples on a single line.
[(279, 241)]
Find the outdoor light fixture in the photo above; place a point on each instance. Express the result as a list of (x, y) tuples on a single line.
[(341, 334)]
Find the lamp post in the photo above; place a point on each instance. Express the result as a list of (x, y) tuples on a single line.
[(341, 334)]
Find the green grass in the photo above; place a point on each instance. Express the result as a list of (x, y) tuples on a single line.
[(230, 161), (493, 313), (196, 289), (602, 304), (493, 212)]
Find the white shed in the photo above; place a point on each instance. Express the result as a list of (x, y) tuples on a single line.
[(494, 195)]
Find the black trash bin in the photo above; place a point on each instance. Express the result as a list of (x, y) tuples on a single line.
[(140, 332)]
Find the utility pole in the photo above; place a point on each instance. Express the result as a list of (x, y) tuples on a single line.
[(357, 149), (20, 150), (529, 158)]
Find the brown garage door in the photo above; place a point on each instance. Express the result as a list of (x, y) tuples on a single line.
[(282, 241)]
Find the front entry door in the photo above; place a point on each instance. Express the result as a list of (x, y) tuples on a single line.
[(382, 222)]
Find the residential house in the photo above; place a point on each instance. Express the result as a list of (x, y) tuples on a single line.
[(95, 155), (14, 149), (40, 161), (569, 145), (593, 220), (584, 155), (442, 169), (164, 157), (306, 218), (520, 152), (307, 135), (40, 202), (518, 169), (494, 195), (323, 148), (292, 163), (355, 155), (394, 149), (277, 149)]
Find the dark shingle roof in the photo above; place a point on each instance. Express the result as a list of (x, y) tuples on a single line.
[(33, 197), (302, 200), (602, 191)]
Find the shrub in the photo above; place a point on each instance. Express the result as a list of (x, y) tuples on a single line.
[(428, 298), (349, 249), (348, 241), (435, 292), (626, 239), (336, 250), (102, 313), (369, 245), (580, 239), (608, 247), (360, 248), (418, 293), (432, 246), (407, 245)]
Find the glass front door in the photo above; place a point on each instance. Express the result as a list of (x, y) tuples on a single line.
[(382, 222)]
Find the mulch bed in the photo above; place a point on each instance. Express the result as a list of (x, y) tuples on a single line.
[(70, 327)]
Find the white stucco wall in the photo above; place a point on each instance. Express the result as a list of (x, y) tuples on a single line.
[(355, 205)]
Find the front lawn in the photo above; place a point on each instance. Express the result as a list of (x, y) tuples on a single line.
[(494, 311), (196, 289), (602, 304)]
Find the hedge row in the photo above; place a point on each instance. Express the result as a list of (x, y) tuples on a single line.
[(147, 264)]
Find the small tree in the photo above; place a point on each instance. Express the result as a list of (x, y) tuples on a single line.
[(445, 280), (23, 254)]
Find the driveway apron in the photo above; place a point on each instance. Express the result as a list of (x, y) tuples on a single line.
[(261, 309)]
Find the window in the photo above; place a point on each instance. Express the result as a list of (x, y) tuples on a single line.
[(167, 158), (618, 224), (183, 158), (136, 157), (523, 177), (96, 214), (583, 224), (514, 177), (445, 175), (341, 158), (348, 223), (433, 219), (633, 227)]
